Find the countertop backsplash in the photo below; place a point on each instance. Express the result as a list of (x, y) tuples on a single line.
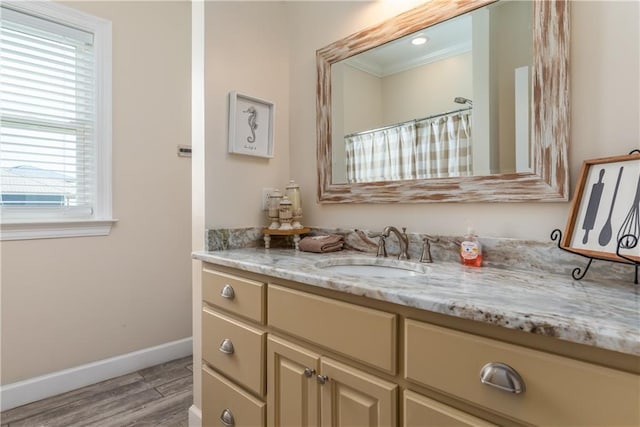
[(510, 254)]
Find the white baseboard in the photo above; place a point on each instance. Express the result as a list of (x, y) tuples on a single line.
[(195, 416), (33, 389)]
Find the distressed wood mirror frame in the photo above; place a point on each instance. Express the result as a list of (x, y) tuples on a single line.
[(550, 115)]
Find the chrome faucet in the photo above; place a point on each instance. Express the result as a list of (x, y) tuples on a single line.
[(403, 240)]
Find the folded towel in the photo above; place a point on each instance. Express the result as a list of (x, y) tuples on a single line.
[(322, 243)]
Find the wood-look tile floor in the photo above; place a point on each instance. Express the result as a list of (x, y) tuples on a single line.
[(159, 396)]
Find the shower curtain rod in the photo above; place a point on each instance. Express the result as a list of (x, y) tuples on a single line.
[(409, 121)]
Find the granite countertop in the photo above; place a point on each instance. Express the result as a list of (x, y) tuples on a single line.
[(604, 314)]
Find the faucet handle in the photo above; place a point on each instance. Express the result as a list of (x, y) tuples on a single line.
[(426, 249), (382, 246)]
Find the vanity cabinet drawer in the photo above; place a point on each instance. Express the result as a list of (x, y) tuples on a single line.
[(238, 295), (365, 334), (557, 390), (420, 411), (235, 349), (223, 400)]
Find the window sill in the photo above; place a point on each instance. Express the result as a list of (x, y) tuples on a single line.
[(55, 229)]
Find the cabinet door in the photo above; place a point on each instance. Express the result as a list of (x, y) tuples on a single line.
[(420, 411), (352, 398), (293, 398)]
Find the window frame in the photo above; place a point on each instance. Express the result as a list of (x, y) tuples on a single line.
[(30, 226)]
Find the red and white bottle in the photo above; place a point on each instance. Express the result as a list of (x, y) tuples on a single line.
[(471, 250)]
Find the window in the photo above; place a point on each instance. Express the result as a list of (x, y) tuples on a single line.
[(55, 121)]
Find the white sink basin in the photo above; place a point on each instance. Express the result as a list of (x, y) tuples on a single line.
[(373, 267)]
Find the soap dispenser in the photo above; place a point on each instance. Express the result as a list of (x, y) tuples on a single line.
[(471, 250)]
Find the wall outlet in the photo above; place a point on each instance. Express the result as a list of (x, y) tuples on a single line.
[(266, 192)]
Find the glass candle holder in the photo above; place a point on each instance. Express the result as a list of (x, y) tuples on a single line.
[(273, 212), (293, 193)]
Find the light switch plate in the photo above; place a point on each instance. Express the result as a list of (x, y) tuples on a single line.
[(266, 192)]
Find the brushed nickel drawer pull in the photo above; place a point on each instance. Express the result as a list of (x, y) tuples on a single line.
[(227, 292), (322, 379), (503, 377), (227, 418), (226, 346), (308, 372)]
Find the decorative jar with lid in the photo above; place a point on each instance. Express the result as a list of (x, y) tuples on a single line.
[(293, 193), (285, 212)]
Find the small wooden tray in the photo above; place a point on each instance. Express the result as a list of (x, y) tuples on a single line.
[(293, 232), (296, 232)]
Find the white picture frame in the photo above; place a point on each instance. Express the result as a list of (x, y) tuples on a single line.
[(605, 208), (250, 125)]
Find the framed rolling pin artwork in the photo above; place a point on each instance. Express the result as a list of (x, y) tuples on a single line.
[(604, 218)]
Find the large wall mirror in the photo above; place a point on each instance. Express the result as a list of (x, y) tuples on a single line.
[(450, 101)]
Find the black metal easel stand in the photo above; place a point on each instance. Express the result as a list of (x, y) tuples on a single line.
[(628, 241)]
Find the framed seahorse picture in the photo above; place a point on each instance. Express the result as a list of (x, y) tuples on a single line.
[(250, 125)]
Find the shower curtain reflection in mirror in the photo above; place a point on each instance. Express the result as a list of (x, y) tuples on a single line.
[(435, 147)]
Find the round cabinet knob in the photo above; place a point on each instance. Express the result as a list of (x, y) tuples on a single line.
[(503, 377), (322, 379), (227, 292), (226, 417), (308, 372), (226, 346)]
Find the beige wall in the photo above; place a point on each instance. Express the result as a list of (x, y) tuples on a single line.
[(67, 302), (371, 102), (429, 89), (362, 102), (245, 51)]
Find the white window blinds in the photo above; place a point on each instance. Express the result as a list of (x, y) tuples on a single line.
[(48, 118)]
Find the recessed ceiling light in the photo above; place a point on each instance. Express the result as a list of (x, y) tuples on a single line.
[(418, 41)]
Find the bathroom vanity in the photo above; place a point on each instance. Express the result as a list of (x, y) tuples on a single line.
[(288, 341)]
